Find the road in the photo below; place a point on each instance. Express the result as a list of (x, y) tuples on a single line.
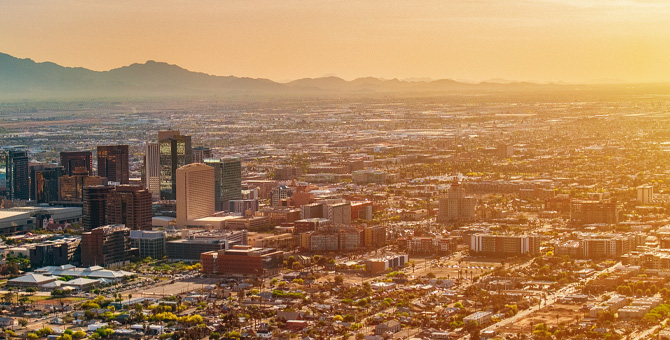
[(550, 299), (647, 332)]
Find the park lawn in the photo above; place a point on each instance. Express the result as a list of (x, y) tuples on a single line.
[(34, 298)]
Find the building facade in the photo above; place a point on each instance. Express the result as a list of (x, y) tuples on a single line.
[(243, 261), (505, 245), (152, 170), (130, 205), (339, 213), (594, 212), (107, 246), (278, 194), (17, 174), (456, 205), (71, 188), (227, 181), (113, 163), (201, 153), (94, 209), (73, 159), (174, 152), (149, 243), (44, 182), (195, 192)]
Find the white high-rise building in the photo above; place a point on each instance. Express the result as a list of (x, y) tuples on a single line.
[(195, 193)]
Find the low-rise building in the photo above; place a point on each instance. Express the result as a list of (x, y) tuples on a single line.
[(243, 261), (150, 243), (106, 246), (478, 318), (391, 326)]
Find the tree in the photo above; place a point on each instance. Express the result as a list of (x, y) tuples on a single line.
[(32, 336), (8, 298), (339, 280), (234, 334), (44, 332), (541, 332), (23, 300), (78, 335), (23, 322)]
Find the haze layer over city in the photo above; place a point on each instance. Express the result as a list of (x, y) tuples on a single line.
[(335, 170)]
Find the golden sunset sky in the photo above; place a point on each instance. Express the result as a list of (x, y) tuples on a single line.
[(534, 40)]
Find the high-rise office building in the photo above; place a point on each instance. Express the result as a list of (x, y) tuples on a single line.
[(195, 192), (113, 163), (44, 182), (71, 188), (227, 181), (152, 170), (105, 246), (71, 160), (17, 174), (456, 205), (339, 213), (175, 151), (129, 205), (200, 153), (94, 210), (645, 194)]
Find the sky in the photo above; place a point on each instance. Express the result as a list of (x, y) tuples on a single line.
[(529, 40)]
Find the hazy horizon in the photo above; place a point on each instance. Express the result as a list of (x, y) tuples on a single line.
[(531, 40)]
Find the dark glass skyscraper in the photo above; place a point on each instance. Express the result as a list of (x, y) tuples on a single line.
[(44, 182), (94, 209), (130, 205), (17, 174), (175, 152), (113, 163), (227, 181), (200, 153), (74, 159)]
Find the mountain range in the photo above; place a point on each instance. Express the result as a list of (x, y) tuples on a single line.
[(27, 79)]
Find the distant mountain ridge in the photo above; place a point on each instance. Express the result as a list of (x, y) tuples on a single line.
[(25, 78)]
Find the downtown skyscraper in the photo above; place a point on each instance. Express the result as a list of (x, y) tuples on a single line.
[(18, 174), (227, 181), (174, 152), (71, 160), (113, 163)]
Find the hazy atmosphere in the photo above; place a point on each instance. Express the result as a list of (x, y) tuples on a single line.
[(528, 40), (346, 170)]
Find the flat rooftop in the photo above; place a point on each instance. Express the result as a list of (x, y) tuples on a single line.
[(13, 214), (217, 218)]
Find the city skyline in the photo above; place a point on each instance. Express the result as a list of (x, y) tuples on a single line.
[(541, 41)]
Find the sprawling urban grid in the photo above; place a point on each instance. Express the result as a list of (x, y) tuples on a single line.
[(469, 216)]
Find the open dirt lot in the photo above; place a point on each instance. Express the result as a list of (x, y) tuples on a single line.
[(563, 314), (169, 289)]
